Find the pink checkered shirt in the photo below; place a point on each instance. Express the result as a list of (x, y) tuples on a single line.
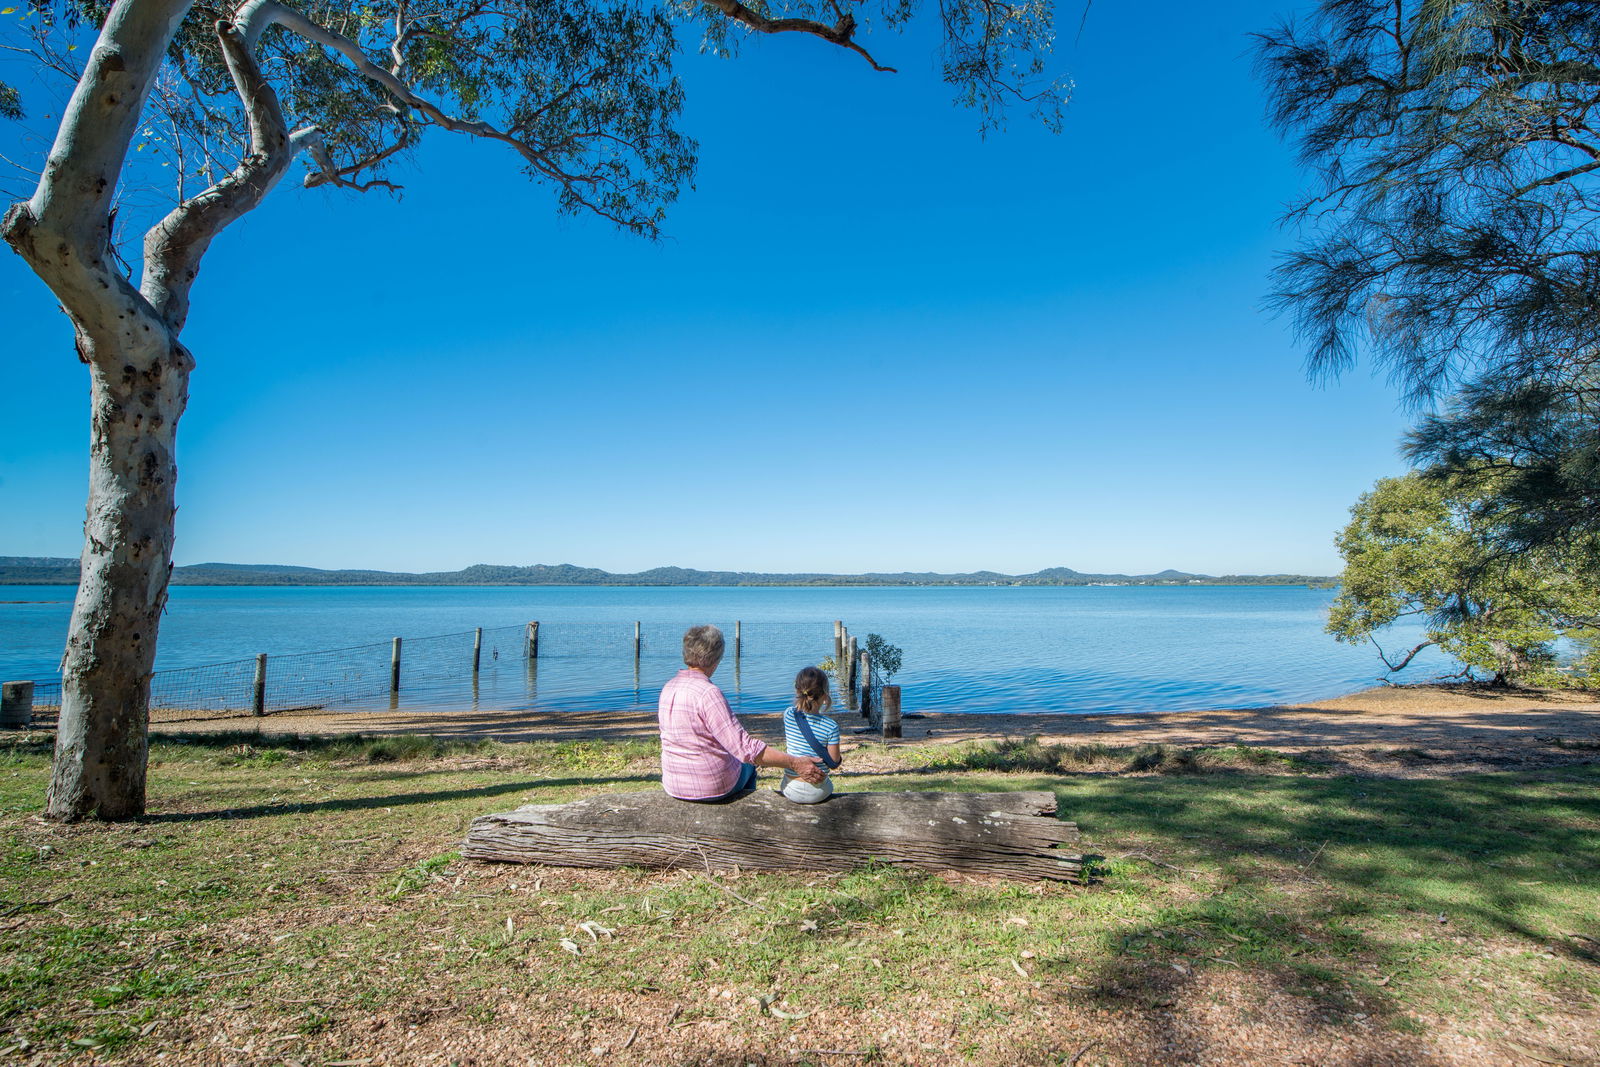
[(702, 745)]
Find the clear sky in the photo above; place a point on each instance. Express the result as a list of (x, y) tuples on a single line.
[(872, 340)]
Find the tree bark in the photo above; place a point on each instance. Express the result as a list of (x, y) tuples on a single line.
[(1515, 663), (139, 383), (1012, 835), (137, 398)]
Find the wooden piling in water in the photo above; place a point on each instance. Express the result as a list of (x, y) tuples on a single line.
[(850, 701), (477, 652), (394, 668), (638, 643), (866, 685), (533, 640), (891, 711), (738, 639)]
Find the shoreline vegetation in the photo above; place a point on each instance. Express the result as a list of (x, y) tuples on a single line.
[(48, 570)]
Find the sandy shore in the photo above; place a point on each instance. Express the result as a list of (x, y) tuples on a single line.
[(1464, 728)]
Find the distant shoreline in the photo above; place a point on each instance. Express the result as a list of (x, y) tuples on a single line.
[(22, 570), (1217, 583)]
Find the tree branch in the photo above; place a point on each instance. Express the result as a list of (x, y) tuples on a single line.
[(1395, 668), (310, 141), (255, 16), (840, 33), (175, 245), (64, 230)]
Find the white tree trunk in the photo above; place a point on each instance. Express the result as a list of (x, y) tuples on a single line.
[(137, 398), (139, 375)]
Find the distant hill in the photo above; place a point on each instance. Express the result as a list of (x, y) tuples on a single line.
[(38, 570), (34, 570)]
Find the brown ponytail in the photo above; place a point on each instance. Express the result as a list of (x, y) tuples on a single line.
[(811, 693)]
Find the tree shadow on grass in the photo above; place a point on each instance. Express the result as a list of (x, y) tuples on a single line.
[(1329, 886), (1437, 840), (392, 800), (1317, 890)]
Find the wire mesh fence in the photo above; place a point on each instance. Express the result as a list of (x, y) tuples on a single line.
[(871, 697), (577, 666)]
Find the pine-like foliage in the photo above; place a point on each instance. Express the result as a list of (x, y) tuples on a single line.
[(1453, 236)]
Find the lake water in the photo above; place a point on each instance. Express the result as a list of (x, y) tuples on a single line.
[(983, 649)]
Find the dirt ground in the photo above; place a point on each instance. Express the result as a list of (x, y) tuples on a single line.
[(1433, 729)]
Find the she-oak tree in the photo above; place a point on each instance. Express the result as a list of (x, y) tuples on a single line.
[(583, 91), (1453, 236)]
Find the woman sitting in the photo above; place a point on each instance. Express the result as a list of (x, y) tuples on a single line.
[(705, 754)]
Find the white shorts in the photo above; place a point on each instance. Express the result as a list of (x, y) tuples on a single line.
[(803, 792)]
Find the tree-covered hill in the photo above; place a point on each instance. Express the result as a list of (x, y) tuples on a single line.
[(36, 570)]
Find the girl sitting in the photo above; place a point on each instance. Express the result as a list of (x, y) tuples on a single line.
[(809, 732)]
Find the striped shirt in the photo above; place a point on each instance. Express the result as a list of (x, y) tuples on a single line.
[(703, 747), (825, 730)]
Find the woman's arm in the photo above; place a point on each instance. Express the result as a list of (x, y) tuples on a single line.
[(804, 767)]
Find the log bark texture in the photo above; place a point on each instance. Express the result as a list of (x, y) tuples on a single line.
[(1012, 835)]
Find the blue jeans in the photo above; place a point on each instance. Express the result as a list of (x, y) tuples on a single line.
[(746, 782)]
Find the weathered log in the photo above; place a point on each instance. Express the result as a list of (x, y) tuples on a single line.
[(1013, 835)]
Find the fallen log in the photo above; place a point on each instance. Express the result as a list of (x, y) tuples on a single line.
[(1013, 835)]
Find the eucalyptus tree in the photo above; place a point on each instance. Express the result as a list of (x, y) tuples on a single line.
[(1453, 233), (581, 93)]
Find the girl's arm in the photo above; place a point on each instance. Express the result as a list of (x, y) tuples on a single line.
[(833, 753)]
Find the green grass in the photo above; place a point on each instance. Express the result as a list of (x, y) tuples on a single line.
[(1030, 754), (317, 881)]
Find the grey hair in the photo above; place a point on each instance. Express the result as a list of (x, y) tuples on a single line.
[(703, 646)]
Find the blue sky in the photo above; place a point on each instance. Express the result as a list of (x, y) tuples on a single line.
[(872, 340)]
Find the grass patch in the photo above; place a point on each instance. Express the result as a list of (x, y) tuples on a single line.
[(302, 899), (1571, 745), (1030, 755)]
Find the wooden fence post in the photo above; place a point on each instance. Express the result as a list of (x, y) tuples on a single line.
[(258, 698), (533, 640), (738, 639), (16, 704), (838, 640), (638, 644), (891, 711), (394, 668), (477, 649)]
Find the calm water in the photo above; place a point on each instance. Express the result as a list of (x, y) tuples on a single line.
[(968, 649)]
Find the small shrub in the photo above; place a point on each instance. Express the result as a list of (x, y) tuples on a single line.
[(1031, 755), (250, 756), (885, 657), (1012, 755), (1165, 759)]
